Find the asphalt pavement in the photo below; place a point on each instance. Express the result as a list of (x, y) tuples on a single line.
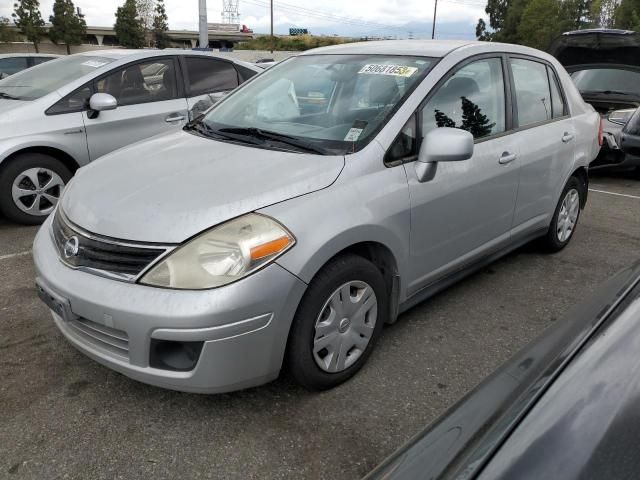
[(64, 416)]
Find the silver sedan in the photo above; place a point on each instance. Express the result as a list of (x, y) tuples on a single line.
[(310, 207)]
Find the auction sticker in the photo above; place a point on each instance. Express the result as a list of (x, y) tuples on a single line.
[(355, 131), (394, 70)]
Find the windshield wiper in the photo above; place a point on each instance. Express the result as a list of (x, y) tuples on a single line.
[(8, 97), (275, 136), (605, 92), (205, 130)]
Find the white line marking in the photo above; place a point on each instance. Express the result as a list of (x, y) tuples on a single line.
[(14, 255), (613, 193)]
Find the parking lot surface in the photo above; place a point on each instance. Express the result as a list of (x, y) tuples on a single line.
[(64, 416)]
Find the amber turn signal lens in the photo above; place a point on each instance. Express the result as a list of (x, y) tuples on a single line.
[(270, 248)]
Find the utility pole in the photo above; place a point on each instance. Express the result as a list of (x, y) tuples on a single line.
[(204, 29), (272, 39), (435, 12)]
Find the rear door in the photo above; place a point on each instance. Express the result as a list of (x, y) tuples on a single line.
[(466, 210), (546, 137), (207, 80), (151, 101)]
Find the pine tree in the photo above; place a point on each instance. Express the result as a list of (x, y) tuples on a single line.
[(67, 26), (442, 120), (26, 16), (474, 121), (161, 26), (128, 27)]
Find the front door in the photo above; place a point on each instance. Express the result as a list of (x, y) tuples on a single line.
[(466, 209), (149, 103)]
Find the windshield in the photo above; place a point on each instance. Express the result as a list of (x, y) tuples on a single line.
[(46, 78), (607, 80), (331, 104)]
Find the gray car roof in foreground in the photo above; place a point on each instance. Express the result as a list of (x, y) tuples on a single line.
[(424, 48)]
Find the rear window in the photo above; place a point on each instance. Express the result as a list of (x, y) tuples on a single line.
[(607, 79)]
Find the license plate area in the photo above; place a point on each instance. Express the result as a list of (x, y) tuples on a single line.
[(56, 303)]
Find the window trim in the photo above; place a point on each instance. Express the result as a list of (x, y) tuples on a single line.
[(187, 82), (567, 113)]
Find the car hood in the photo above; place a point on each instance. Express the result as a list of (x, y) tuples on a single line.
[(170, 188), (597, 47)]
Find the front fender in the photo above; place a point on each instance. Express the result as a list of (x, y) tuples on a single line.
[(361, 206)]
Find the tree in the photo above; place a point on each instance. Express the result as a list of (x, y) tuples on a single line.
[(146, 13), (6, 33), (26, 16), (473, 120), (542, 21), (67, 26), (161, 26), (128, 27), (625, 12), (603, 13)]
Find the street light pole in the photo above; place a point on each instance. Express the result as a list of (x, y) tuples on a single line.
[(271, 39), (204, 29), (435, 12)]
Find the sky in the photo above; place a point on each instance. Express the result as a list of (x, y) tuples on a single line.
[(397, 18)]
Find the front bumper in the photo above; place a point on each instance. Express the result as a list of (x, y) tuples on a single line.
[(244, 325)]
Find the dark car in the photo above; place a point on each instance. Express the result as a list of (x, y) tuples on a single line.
[(630, 136), (605, 66), (566, 407)]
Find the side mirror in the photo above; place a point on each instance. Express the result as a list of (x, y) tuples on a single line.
[(630, 135), (442, 145), (100, 102)]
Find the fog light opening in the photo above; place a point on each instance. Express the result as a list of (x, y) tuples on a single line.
[(175, 356)]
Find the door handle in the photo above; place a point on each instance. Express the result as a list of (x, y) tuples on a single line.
[(175, 118), (507, 158), (567, 137)]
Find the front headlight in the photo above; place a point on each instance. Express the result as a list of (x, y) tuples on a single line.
[(222, 255), (621, 117)]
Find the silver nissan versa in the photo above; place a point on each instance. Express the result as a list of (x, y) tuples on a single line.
[(312, 206)]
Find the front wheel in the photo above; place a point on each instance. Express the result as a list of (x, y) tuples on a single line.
[(565, 218), (337, 323), (30, 187)]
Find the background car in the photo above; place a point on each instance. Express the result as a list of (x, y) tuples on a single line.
[(57, 117), (11, 63), (265, 236), (566, 406), (605, 66)]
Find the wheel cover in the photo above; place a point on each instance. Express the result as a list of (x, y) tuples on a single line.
[(345, 326), (568, 215), (36, 191)]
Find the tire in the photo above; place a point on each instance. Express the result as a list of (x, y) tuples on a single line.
[(563, 225), (319, 367), (50, 174)]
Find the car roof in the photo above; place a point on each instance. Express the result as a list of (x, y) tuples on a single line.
[(425, 48), (132, 54), (37, 55)]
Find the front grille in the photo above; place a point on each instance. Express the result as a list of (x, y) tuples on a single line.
[(99, 254), (111, 339)]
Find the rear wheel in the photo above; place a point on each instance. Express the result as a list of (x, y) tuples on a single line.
[(337, 323), (565, 218), (30, 187)]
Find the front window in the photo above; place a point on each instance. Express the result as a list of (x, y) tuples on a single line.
[(39, 81), (331, 104), (605, 80)]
